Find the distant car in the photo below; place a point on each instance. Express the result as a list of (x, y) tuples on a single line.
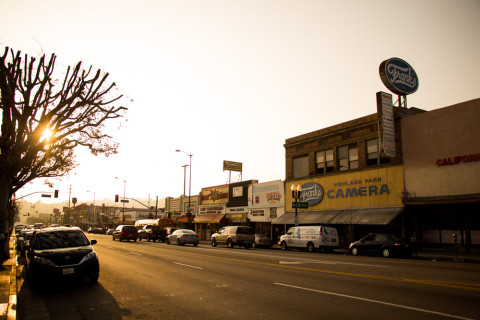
[(109, 231), (383, 244), (125, 232), (20, 227), (182, 237), (152, 233), (96, 230), (61, 253), (234, 235), (262, 241)]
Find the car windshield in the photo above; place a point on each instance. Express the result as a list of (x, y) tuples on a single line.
[(60, 239), (188, 231), (129, 228)]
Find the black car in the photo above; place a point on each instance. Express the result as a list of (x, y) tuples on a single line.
[(380, 243), (152, 233), (61, 253), (96, 230)]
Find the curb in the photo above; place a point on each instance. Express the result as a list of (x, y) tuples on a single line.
[(8, 310)]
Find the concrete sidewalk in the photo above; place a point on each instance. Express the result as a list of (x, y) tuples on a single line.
[(8, 284)]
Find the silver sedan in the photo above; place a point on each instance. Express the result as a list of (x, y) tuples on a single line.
[(182, 237)]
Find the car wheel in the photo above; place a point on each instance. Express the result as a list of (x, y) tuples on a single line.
[(386, 252), (135, 240), (214, 243), (283, 245), (94, 278), (310, 247), (113, 237), (178, 242), (148, 239), (120, 239), (154, 239), (248, 246), (230, 243), (355, 251), (195, 244), (139, 238), (167, 241)]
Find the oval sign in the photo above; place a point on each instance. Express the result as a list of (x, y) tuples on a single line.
[(311, 193), (398, 76)]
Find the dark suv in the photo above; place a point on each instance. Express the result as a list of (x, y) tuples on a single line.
[(153, 233), (380, 243), (123, 232), (61, 253), (234, 235)]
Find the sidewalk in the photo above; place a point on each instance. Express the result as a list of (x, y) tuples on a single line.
[(8, 285)]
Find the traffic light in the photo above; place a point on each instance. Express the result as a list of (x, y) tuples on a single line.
[(116, 198), (55, 195)]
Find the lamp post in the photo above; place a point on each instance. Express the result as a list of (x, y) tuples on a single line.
[(123, 201), (296, 194), (189, 183), (184, 176)]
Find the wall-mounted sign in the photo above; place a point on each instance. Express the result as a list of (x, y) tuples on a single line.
[(398, 76), (458, 159), (232, 166), (386, 132), (312, 193)]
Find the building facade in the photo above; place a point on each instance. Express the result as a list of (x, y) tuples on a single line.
[(441, 152)]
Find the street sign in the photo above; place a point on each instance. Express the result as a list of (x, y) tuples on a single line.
[(300, 205), (124, 200)]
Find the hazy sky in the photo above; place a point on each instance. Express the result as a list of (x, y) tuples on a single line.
[(231, 80)]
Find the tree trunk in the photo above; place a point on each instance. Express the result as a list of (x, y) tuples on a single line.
[(4, 196)]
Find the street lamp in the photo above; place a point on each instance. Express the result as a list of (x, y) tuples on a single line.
[(184, 176), (124, 187), (296, 194), (189, 183)]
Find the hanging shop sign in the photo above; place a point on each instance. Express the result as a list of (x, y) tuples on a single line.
[(312, 193), (398, 76)]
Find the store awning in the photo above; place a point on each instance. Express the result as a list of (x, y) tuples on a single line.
[(373, 216), (209, 218), (184, 219)]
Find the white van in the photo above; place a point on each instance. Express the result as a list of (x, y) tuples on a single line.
[(310, 238)]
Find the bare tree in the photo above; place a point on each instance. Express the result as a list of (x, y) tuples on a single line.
[(74, 109)]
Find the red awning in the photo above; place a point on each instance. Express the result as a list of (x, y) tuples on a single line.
[(184, 219), (209, 218)]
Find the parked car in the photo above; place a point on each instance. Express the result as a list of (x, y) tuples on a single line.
[(262, 241), (20, 227), (183, 236), (61, 253), (152, 233), (109, 231), (23, 239), (125, 232), (310, 238), (96, 230), (380, 243), (234, 235)]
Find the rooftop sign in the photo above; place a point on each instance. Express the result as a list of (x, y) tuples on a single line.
[(398, 76)]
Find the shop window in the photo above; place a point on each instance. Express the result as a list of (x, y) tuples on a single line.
[(324, 161), (348, 157), (300, 167)]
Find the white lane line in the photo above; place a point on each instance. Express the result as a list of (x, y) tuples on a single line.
[(187, 265), (135, 253), (374, 301), (331, 262)]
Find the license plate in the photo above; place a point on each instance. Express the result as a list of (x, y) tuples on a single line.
[(68, 271)]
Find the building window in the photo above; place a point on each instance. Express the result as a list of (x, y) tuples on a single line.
[(324, 161), (372, 152), (300, 167), (373, 155), (348, 157)]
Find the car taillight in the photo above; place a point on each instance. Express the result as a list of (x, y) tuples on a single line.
[(397, 243), (184, 235)]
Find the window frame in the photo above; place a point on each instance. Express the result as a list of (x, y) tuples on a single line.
[(325, 168)]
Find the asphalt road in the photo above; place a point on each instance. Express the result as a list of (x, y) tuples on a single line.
[(146, 280)]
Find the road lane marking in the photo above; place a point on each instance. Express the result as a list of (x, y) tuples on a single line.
[(447, 284), (331, 262), (374, 301), (187, 265), (135, 253)]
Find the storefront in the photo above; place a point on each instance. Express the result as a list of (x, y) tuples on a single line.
[(211, 215), (267, 203), (356, 203), (441, 152)]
